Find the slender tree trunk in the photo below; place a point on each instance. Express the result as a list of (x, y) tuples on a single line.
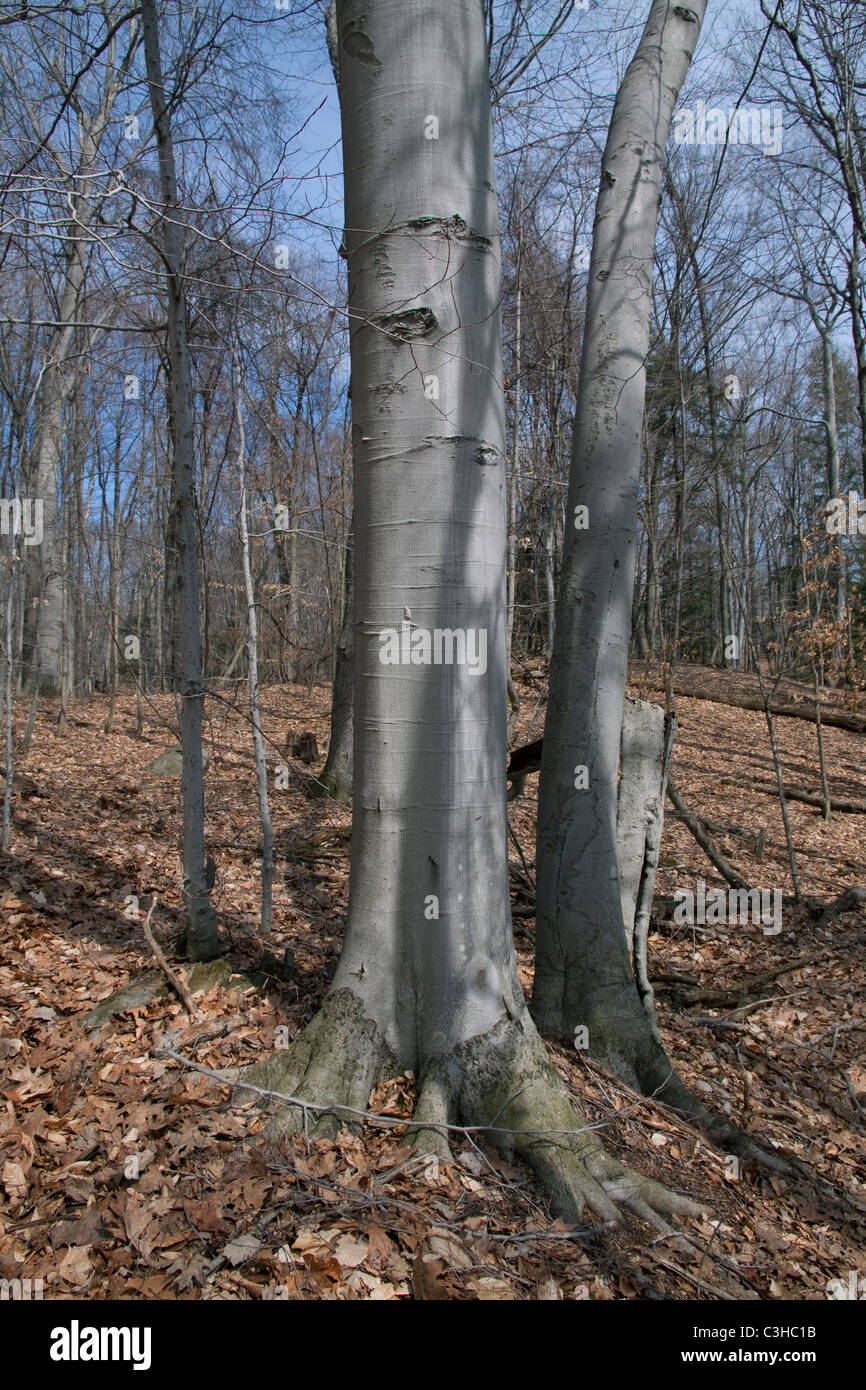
[(583, 976), (831, 436), (858, 334), (336, 778), (514, 481), (115, 566), (203, 937), (9, 634), (44, 624), (253, 669), (652, 543), (549, 576)]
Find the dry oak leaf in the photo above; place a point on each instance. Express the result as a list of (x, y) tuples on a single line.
[(76, 1267), (237, 1252), (14, 1181), (87, 1229), (488, 1288)]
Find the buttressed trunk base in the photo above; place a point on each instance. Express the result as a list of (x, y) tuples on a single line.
[(427, 980)]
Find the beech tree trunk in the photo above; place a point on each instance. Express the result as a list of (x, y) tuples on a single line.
[(584, 975), (427, 979)]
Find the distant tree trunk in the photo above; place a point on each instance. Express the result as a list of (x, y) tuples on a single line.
[(831, 437), (203, 936), (253, 669), (115, 567), (854, 295), (66, 652), (44, 623), (8, 643), (514, 481), (549, 576), (652, 544), (336, 777)]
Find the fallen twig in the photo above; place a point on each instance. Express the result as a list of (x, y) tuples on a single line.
[(176, 983)]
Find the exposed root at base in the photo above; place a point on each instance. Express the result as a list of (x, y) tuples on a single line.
[(727, 1137), (633, 1053), (501, 1084), (336, 1061), (507, 1074)]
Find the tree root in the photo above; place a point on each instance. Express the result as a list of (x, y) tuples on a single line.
[(509, 1083), (500, 1086), (336, 1061), (727, 1137), (630, 1050)]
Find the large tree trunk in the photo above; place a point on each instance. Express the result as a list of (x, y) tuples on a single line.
[(584, 975), (427, 979), (203, 935)]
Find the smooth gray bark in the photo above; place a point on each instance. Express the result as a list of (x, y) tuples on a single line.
[(44, 637), (642, 750), (583, 974), (583, 971), (429, 526), (203, 935), (645, 753)]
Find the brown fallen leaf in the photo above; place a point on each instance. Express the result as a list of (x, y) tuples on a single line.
[(351, 1252), (87, 1229), (489, 1288), (76, 1267), (427, 1270)]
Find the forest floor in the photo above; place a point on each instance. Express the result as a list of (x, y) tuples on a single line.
[(124, 1175)]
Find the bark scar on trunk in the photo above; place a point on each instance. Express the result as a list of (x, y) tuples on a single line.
[(357, 44), (454, 228), (408, 326)]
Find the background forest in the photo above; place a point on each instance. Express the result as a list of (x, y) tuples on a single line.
[(756, 401)]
